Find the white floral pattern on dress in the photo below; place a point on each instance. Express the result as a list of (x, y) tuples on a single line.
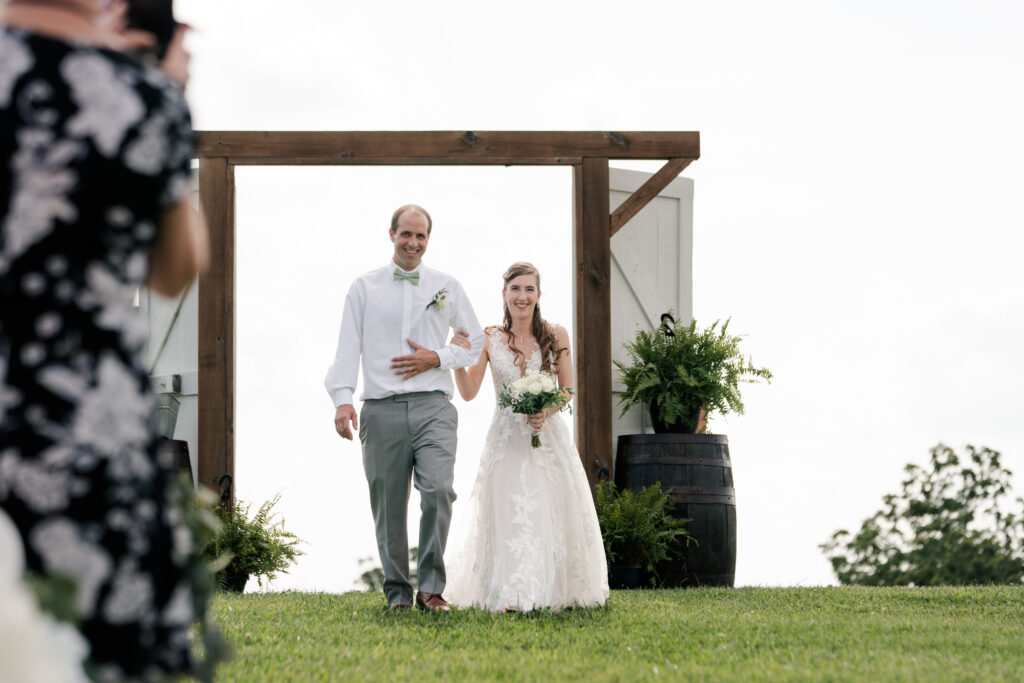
[(39, 196), (107, 105), (529, 538), (9, 396), (15, 60), (42, 488), (113, 297), (147, 154), (65, 551), (111, 416), (133, 592)]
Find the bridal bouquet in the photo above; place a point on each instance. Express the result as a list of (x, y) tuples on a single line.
[(531, 394)]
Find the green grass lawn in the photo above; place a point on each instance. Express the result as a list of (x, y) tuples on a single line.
[(972, 633)]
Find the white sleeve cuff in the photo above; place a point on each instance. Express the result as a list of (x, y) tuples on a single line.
[(341, 396), (446, 356)]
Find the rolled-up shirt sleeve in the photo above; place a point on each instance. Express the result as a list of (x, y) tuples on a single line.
[(462, 319), (344, 371)]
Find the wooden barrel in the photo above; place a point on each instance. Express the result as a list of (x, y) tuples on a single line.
[(174, 455), (695, 469)]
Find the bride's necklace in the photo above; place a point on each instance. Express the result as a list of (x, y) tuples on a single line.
[(520, 338)]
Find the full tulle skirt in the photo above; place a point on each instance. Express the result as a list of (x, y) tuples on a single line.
[(530, 537)]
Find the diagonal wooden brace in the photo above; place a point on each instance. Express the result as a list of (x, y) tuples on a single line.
[(648, 191)]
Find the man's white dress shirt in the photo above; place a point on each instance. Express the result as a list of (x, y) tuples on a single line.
[(380, 314)]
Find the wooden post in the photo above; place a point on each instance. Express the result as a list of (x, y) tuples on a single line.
[(592, 255), (216, 455)]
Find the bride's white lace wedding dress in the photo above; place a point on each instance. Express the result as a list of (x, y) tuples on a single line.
[(530, 537)]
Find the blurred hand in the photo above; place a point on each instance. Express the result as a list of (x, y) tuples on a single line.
[(112, 23), (175, 63)]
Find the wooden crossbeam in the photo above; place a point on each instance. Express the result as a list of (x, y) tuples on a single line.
[(646, 192), (441, 147)]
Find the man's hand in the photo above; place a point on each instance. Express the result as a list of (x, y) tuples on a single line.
[(413, 364), (345, 420)]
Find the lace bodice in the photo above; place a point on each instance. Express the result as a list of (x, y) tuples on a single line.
[(503, 367), (504, 371)]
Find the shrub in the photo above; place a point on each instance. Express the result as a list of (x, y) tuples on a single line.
[(950, 525), (638, 527), (258, 547)]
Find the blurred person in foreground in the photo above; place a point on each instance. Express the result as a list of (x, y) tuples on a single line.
[(95, 157)]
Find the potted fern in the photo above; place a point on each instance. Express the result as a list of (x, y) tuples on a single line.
[(639, 532), (683, 373), (245, 547)]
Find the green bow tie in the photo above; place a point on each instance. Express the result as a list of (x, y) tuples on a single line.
[(400, 274)]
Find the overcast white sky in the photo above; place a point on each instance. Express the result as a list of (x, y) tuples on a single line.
[(857, 212)]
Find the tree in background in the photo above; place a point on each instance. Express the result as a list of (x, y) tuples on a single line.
[(951, 525), (373, 579)]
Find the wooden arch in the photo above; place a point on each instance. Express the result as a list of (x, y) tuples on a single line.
[(587, 152)]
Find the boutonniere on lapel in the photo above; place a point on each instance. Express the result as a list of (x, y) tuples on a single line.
[(440, 301)]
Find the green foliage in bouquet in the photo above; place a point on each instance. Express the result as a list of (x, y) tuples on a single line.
[(679, 369), (638, 527), (951, 525), (245, 547)]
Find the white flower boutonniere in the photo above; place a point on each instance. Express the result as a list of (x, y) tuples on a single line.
[(440, 301)]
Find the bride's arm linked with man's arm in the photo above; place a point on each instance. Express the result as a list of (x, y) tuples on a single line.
[(352, 344), (450, 356)]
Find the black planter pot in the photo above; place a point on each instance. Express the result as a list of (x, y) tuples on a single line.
[(697, 471), (678, 427), (627, 576), (233, 582)]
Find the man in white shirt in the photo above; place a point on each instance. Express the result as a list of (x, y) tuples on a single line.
[(397, 319)]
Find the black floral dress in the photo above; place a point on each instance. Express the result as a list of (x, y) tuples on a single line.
[(93, 146)]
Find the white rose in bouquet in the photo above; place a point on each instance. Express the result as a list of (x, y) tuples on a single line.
[(531, 394)]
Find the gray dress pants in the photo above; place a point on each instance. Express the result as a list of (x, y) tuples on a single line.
[(410, 438)]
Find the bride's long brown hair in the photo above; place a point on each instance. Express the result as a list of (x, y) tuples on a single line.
[(541, 329)]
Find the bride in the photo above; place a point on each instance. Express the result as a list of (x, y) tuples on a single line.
[(530, 536)]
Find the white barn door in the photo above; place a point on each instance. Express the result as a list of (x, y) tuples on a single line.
[(172, 359), (652, 273), (171, 355)]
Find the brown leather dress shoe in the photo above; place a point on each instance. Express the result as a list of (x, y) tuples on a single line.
[(431, 601)]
